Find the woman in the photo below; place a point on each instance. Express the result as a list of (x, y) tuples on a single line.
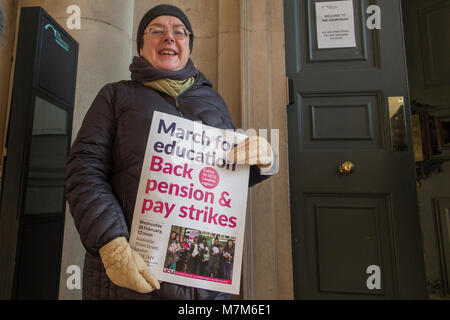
[(228, 255), (105, 161), (214, 259), (220, 260), (181, 263), (172, 251), (194, 254), (204, 259)]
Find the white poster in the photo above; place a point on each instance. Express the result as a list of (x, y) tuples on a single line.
[(189, 217), (335, 24)]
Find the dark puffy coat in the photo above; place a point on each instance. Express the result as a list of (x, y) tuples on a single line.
[(104, 166)]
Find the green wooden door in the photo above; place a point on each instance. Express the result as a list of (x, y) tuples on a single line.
[(345, 226)]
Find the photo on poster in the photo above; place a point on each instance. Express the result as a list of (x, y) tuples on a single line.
[(200, 255)]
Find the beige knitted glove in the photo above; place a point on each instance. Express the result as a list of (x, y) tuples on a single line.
[(251, 151), (126, 268)]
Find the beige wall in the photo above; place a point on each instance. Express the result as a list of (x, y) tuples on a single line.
[(7, 223), (229, 57), (267, 261), (239, 46), (7, 46)]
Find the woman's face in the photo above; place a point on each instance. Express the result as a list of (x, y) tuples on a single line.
[(166, 53)]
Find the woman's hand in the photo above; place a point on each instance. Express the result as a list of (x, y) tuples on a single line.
[(126, 268), (254, 150)]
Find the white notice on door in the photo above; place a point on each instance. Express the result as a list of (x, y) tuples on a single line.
[(335, 24)]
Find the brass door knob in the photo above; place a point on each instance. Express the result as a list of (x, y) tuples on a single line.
[(346, 167)]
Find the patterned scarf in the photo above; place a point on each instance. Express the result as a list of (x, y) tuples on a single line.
[(169, 86)]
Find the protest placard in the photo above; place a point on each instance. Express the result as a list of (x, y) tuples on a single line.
[(189, 216)]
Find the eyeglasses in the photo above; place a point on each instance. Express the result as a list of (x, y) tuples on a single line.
[(158, 32)]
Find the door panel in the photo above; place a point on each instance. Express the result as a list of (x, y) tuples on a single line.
[(342, 224), (442, 223), (344, 121), (428, 63), (349, 233)]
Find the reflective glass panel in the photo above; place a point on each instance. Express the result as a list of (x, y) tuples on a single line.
[(49, 142)]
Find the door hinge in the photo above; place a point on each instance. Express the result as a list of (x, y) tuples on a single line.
[(290, 99)]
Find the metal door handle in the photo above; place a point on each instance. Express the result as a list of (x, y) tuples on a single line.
[(346, 168)]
